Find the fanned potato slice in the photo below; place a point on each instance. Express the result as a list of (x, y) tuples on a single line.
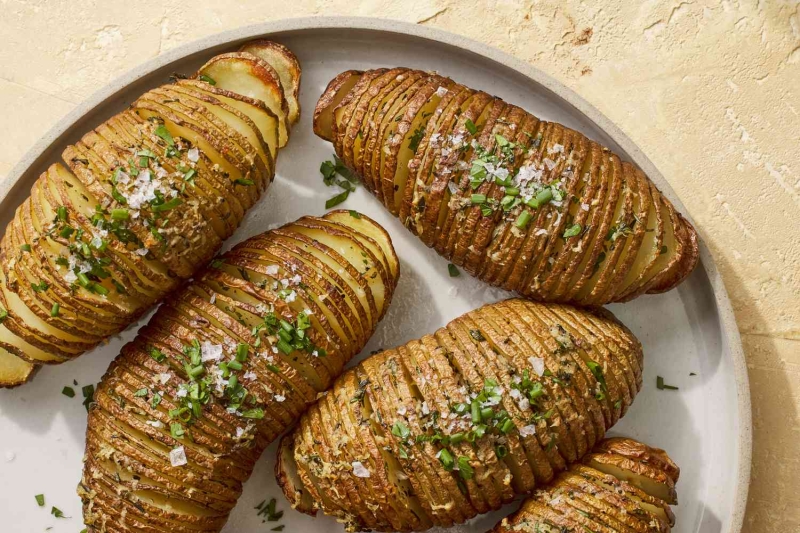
[(246, 74), (547, 213), (223, 368), (460, 422), (624, 486), (334, 93), (286, 65), (13, 370)]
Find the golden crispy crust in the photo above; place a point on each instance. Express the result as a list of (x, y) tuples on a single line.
[(400, 449)]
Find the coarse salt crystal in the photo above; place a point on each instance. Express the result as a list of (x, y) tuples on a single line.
[(210, 352), (182, 392), (155, 423), (177, 457), (537, 363), (213, 299), (540, 231), (142, 252), (163, 378), (193, 154), (272, 270), (359, 470), (441, 91), (292, 296), (527, 431), (401, 410), (585, 207), (280, 398)]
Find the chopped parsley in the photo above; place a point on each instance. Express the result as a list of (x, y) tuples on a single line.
[(40, 499), (330, 170), (69, 392), (454, 272)]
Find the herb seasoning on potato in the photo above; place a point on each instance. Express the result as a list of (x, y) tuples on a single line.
[(523, 204)]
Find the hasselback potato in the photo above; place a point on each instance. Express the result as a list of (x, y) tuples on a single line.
[(623, 485), (457, 423), (521, 203), (139, 204), (226, 366)]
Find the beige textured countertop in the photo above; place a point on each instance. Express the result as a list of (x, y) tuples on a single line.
[(709, 90)]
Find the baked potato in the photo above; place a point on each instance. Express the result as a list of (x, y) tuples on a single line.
[(138, 205), (225, 367), (633, 495), (458, 423), (521, 203)]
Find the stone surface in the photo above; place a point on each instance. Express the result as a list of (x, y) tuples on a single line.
[(709, 90)]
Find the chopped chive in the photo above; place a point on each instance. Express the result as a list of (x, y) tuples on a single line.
[(285, 347), (241, 352), (66, 232), (55, 310), (69, 392), (507, 426), (166, 206), (573, 230), (454, 272), (487, 413), (523, 219), (478, 198), (158, 355), (244, 182), (273, 368), (61, 212), (355, 214), (120, 214), (512, 191), (207, 79), (235, 365), (543, 197), (456, 438), (256, 413), (475, 412), (25, 248), (3, 315)]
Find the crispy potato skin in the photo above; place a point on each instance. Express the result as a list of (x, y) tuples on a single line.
[(458, 423), (584, 498), (139, 204), (472, 170), (159, 395)]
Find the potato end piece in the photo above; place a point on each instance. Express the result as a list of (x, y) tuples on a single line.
[(15, 371), (288, 479), (334, 93), (286, 65)]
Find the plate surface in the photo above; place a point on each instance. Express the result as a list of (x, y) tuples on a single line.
[(689, 335)]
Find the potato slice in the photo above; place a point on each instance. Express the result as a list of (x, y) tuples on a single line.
[(490, 406), (13, 370), (246, 74), (338, 88), (286, 65)]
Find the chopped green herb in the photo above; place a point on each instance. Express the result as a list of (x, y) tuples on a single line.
[(158, 355), (660, 385), (464, 468), (69, 392), (3, 315), (354, 214), (471, 127), (164, 133), (40, 287), (120, 214), (454, 272), (573, 230), (25, 248), (141, 393), (336, 200), (61, 213), (55, 511), (663, 249), (166, 206), (416, 138), (523, 219), (55, 310), (243, 182), (207, 79), (478, 198), (446, 458), (40, 499)]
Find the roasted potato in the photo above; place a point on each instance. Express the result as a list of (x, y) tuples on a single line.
[(458, 423), (140, 203), (629, 497), (523, 204), (225, 367)]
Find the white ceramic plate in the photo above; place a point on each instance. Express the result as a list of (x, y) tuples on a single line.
[(705, 425)]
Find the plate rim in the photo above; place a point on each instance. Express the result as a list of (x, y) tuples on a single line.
[(731, 339)]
